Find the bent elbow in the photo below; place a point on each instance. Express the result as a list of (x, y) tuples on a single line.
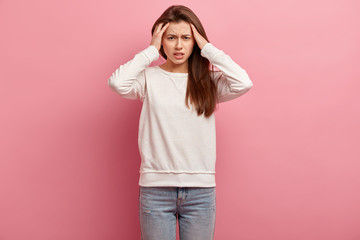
[(241, 88), (249, 85), (113, 85)]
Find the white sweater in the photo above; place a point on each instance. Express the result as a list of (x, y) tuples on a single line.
[(177, 147)]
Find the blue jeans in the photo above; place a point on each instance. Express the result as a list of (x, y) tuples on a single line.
[(160, 207)]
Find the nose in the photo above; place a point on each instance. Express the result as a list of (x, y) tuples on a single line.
[(178, 44)]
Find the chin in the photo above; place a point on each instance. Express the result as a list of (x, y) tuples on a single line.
[(174, 60)]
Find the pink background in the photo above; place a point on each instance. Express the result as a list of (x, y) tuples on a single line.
[(288, 150)]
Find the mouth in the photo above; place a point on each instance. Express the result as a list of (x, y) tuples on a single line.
[(179, 55)]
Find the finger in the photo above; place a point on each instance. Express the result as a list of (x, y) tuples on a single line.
[(193, 28), (165, 27), (158, 27)]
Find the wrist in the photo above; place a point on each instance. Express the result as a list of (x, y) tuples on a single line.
[(203, 44)]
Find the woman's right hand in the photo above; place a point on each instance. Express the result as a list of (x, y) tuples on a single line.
[(157, 35)]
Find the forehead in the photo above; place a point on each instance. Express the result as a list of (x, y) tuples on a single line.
[(179, 28)]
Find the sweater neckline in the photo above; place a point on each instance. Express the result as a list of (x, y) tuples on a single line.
[(172, 73)]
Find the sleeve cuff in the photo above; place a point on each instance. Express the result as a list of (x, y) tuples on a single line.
[(151, 53), (209, 50)]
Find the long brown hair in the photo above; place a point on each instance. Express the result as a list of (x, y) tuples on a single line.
[(201, 89)]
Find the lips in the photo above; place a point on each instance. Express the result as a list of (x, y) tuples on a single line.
[(179, 53)]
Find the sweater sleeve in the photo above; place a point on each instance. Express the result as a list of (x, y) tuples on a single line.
[(129, 79), (233, 81)]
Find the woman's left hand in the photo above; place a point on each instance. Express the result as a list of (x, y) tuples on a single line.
[(200, 40)]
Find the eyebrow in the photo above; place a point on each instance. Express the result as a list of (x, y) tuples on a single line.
[(175, 35)]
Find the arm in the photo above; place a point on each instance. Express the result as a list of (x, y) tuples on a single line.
[(234, 81), (129, 79)]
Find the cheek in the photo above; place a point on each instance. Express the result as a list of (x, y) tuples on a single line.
[(190, 47), (165, 47)]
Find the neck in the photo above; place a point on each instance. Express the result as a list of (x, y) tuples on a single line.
[(178, 68)]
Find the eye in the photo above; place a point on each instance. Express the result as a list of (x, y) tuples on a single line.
[(170, 37), (187, 37)]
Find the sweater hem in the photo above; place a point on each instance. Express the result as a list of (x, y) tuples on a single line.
[(169, 179)]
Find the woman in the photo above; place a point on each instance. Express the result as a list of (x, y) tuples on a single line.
[(177, 140)]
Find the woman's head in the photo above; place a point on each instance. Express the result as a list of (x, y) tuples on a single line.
[(178, 36), (178, 42), (201, 88)]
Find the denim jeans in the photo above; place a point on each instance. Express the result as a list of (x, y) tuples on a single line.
[(160, 207)]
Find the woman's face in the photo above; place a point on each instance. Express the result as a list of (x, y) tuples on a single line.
[(178, 42)]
